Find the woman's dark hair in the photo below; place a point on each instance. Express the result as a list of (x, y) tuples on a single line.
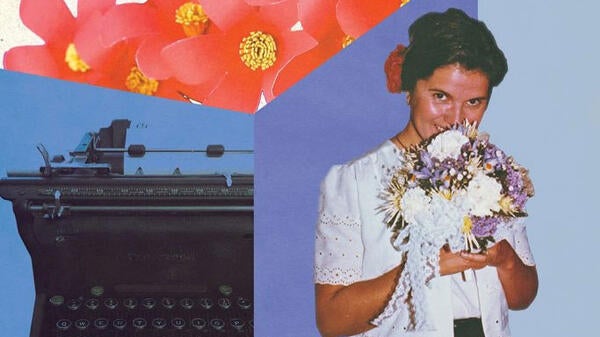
[(439, 39)]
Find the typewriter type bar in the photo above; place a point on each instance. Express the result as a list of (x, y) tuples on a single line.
[(135, 255)]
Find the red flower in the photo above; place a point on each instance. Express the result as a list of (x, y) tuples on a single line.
[(92, 47), (251, 47), (393, 69)]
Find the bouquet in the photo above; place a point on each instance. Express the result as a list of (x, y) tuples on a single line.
[(456, 189)]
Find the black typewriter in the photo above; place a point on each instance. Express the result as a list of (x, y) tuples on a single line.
[(135, 254)]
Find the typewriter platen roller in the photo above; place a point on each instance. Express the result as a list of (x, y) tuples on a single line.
[(120, 250)]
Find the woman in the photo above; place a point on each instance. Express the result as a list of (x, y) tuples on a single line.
[(448, 72)]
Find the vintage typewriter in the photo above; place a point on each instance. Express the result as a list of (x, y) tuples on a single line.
[(118, 251)]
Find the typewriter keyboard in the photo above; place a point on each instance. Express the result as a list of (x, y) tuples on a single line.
[(221, 315)]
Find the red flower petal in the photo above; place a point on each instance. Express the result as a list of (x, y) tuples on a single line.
[(318, 17), (127, 21), (226, 13), (148, 57), (236, 92), (49, 19), (196, 59), (86, 7), (282, 15), (31, 59), (266, 2), (356, 17)]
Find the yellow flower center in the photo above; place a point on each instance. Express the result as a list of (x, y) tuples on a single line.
[(192, 18), (258, 50), (139, 83), (467, 225), (404, 2), (73, 60), (347, 40)]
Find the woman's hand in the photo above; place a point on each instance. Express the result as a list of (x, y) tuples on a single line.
[(452, 263), (519, 281)]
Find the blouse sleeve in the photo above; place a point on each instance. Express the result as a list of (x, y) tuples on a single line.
[(338, 245), (516, 234)]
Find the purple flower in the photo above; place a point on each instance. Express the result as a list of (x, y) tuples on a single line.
[(484, 226)]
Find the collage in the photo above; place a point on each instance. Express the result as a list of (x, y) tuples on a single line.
[(197, 168)]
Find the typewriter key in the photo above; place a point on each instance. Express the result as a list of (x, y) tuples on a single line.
[(206, 303), (178, 323), (159, 323), (139, 323), (225, 289), (186, 303), (244, 303), (97, 291), (168, 302), (148, 303), (217, 324), (101, 323), (237, 324), (111, 303), (119, 323), (82, 324), (63, 324), (57, 300), (74, 304), (130, 303), (224, 302), (92, 303), (198, 323)]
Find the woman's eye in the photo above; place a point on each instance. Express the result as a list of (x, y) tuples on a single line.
[(439, 96), (474, 102)]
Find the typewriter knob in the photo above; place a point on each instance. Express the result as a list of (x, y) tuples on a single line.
[(224, 302), (159, 323), (82, 324), (237, 324), (101, 323), (92, 303), (119, 323), (63, 324), (198, 323), (139, 323), (97, 291), (178, 323), (217, 324)]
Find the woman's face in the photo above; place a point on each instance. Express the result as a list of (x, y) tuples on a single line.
[(450, 95)]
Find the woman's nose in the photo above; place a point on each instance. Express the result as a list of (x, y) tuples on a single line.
[(454, 114)]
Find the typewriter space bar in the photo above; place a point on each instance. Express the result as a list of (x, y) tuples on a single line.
[(161, 288), (146, 209)]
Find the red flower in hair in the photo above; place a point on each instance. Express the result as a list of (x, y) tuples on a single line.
[(393, 69)]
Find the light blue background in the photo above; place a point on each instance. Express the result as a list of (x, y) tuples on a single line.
[(545, 113), (57, 113)]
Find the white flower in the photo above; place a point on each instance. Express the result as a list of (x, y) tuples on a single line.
[(447, 144), (415, 206), (447, 214), (483, 195)]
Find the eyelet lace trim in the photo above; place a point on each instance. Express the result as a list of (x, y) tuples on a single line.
[(337, 276), (335, 220)]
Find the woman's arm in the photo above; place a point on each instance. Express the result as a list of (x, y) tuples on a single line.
[(519, 281), (347, 310)]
